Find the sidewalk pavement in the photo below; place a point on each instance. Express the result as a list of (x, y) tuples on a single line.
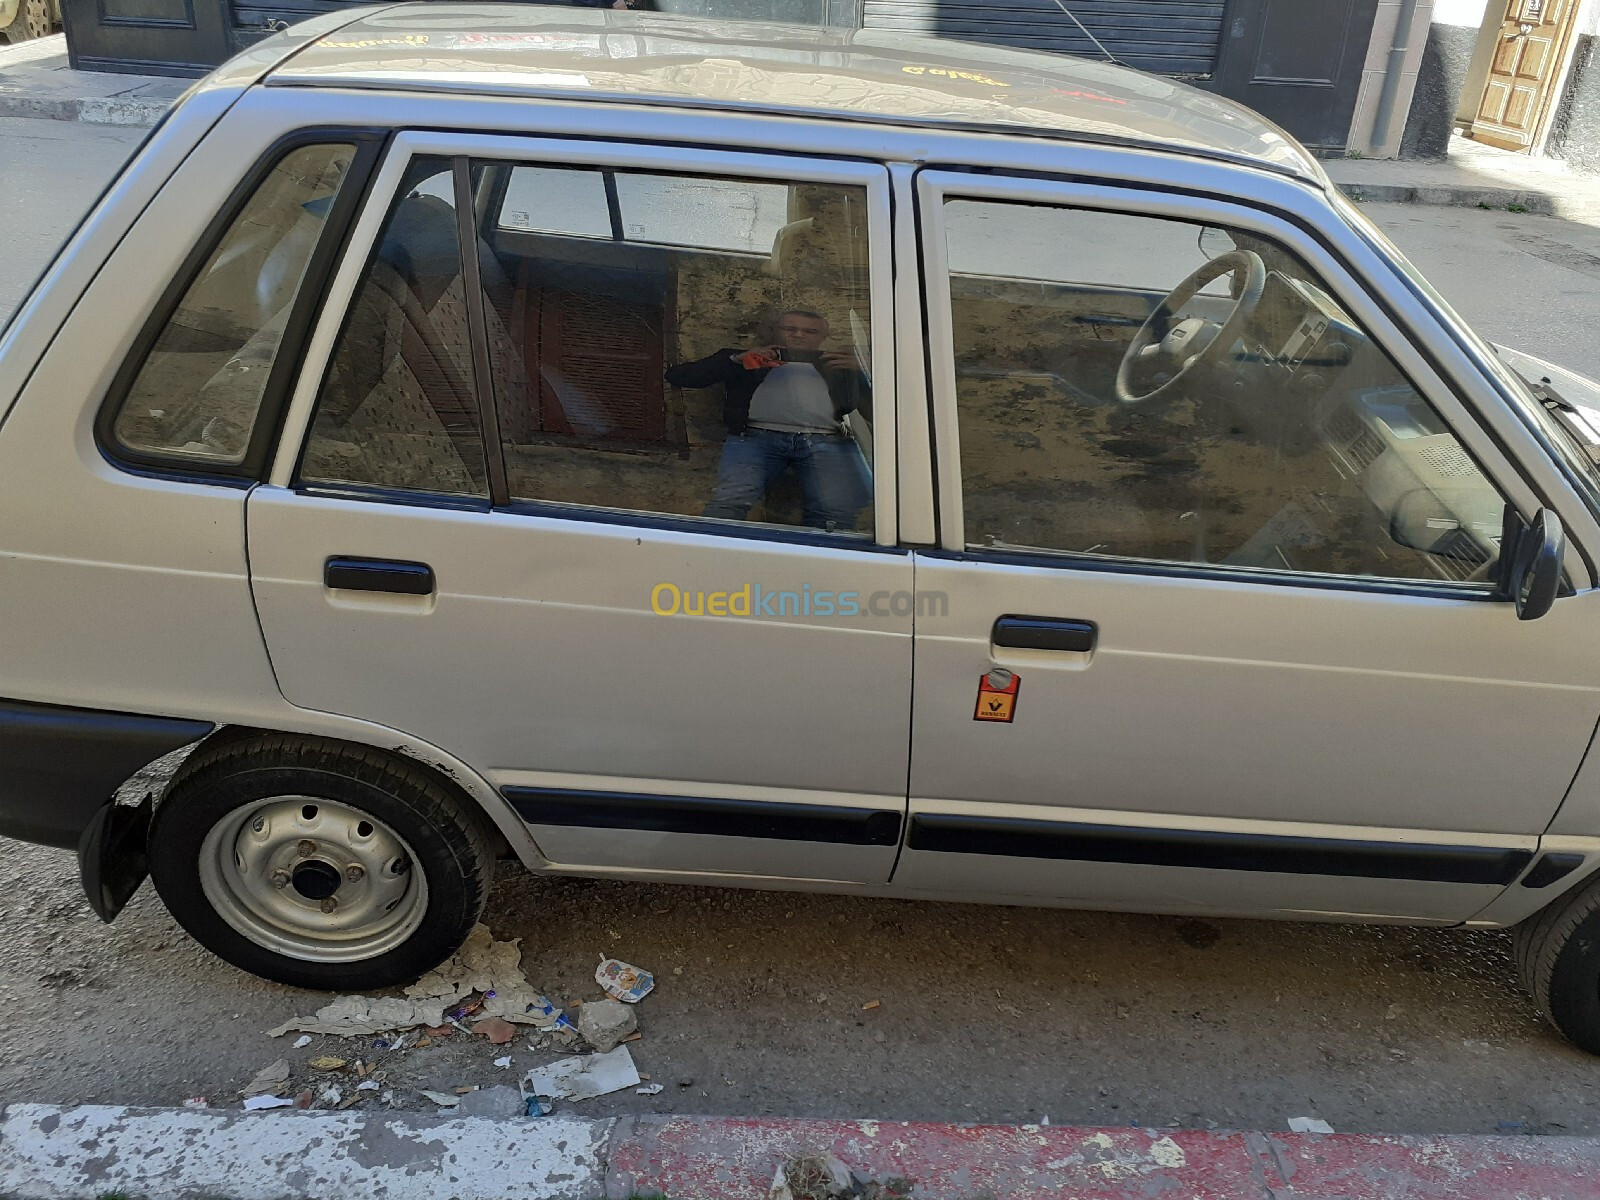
[(35, 81), (49, 1153)]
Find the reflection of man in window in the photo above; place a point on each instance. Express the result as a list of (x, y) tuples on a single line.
[(784, 406)]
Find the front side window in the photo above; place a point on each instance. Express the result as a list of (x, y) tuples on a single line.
[(196, 396), (1142, 388)]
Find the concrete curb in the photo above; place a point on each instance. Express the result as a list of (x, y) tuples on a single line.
[(51, 1153), (92, 110), (1541, 203)]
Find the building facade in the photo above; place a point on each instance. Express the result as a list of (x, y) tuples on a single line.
[(1300, 64)]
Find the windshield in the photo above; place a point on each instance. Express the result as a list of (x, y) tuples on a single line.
[(1510, 373)]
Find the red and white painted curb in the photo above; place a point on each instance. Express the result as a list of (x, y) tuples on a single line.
[(50, 1153)]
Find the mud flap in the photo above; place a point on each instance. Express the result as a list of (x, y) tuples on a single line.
[(111, 855)]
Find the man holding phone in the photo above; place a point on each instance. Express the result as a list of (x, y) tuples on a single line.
[(784, 406)]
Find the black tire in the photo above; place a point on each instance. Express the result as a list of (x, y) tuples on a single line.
[(440, 869), (1558, 958)]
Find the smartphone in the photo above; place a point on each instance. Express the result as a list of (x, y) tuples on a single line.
[(798, 356)]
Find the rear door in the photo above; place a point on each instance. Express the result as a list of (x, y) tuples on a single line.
[(1247, 651), (651, 689)]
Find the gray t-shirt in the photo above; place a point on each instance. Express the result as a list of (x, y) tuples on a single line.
[(794, 398)]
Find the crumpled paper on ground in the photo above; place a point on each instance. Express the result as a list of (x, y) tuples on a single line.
[(495, 969), (481, 965), (268, 1079), (583, 1077), (354, 1015)]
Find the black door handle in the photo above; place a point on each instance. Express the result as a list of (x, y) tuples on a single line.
[(1045, 633), (378, 575)]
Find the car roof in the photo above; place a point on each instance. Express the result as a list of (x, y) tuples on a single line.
[(538, 50)]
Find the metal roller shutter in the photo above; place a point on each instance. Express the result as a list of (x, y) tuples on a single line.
[(1168, 37)]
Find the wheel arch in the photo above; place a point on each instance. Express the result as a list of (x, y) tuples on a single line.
[(509, 836)]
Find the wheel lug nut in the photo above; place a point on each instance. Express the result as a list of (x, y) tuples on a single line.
[(258, 824), (280, 879), (353, 873), (329, 904), (306, 849)]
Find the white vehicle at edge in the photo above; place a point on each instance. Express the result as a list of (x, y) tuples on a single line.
[(423, 427)]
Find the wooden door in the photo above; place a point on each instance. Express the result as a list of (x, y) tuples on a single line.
[(1527, 60)]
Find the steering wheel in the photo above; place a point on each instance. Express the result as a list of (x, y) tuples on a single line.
[(1179, 346)]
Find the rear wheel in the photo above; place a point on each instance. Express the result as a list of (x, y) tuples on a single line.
[(1558, 957), (33, 20), (319, 864)]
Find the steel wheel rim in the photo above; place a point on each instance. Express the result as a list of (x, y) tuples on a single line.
[(313, 879), (35, 17)]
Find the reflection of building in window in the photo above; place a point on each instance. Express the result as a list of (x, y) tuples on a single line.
[(618, 273), (593, 359)]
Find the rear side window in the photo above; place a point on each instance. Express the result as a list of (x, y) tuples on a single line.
[(196, 395)]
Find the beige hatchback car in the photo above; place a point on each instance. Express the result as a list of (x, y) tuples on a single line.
[(658, 448)]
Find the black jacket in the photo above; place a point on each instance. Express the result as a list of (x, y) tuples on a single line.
[(850, 390)]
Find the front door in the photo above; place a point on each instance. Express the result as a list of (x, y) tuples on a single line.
[(652, 688), (1212, 627), (1528, 57)]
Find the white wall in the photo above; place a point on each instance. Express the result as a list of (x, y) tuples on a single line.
[(1468, 13)]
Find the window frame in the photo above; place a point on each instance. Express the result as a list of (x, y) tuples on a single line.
[(935, 185), (476, 148), (260, 450)]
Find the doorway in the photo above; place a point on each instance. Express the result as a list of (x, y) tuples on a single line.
[(1522, 59)]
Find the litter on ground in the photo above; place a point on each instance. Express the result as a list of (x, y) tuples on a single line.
[(356, 1015), (301, 1042), (623, 981), (443, 998), (1309, 1125), (259, 1102), (583, 1077), (442, 1099), (268, 1079), (812, 1177)]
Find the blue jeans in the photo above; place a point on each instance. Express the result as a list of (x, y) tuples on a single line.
[(834, 480)]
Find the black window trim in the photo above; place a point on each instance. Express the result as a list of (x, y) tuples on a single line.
[(307, 306)]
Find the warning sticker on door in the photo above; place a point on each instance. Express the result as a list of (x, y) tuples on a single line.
[(997, 696)]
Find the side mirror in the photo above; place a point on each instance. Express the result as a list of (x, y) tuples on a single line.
[(1534, 578)]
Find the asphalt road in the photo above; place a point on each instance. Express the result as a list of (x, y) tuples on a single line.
[(986, 1014)]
